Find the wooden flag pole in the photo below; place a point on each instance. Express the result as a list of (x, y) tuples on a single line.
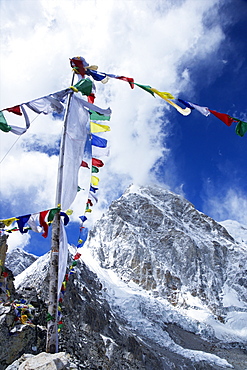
[(52, 327)]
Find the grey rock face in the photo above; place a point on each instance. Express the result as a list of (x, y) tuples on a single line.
[(160, 241), (18, 260)]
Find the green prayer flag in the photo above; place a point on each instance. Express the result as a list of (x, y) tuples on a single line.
[(95, 169), (241, 128), (94, 116), (52, 213), (84, 86), (145, 87), (3, 123)]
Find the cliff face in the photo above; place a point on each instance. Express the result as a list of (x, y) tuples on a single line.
[(162, 243), (159, 285)]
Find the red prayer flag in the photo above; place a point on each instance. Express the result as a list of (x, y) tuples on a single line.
[(130, 80), (84, 164), (97, 162), (77, 65), (16, 110), (90, 202), (77, 256), (223, 117), (91, 98), (43, 223)]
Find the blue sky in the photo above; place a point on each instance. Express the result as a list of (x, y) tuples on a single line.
[(195, 50)]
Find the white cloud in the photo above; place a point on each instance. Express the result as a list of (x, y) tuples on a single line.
[(139, 39), (17, 239), (229, 205)]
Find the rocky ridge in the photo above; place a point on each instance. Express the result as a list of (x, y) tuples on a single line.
[(155, 288)]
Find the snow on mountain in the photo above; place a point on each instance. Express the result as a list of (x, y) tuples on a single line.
[(237, 230), (174, 281), (159, 241), (18, 260)]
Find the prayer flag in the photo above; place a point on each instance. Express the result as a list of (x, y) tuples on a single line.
[(91, 98), (84, 86), (63, 255), (223, 117), (98, 141), (66, 218), (146, 88), (33, 222), (97, 162), (84, 164), (3, 123), (46, 105), (167, 96), (241, 128), (100, 152), (202, 110), (79, 64), (78, 119), (94, 180), (16, 110), (93, 189), (90, 202), (95, 169), (92, 197), (187, 104), (83, 218), (9, 221), (96, 127), (163, 95), (130, 80), (99, 117), (98, 76), (43, 224), (21, 221)]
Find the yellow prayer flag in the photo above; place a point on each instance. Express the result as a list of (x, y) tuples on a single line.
[(94, 180), (163, 95), (96, 127), (167, 96), (9, 221), (88, 210)]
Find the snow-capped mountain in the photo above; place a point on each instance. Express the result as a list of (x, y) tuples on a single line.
[(159, 285), (18, 260)]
